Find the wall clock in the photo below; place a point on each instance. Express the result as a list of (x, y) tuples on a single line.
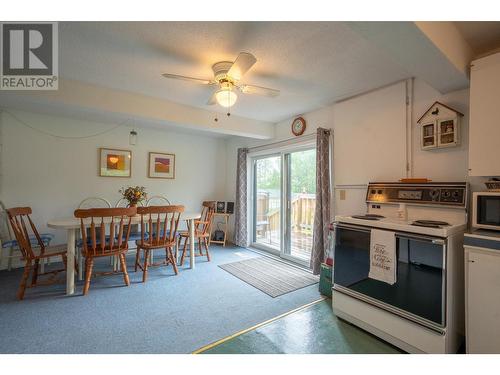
[(298, 126)]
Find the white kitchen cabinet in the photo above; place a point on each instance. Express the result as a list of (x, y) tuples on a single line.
[(484, 122), (482, 269)]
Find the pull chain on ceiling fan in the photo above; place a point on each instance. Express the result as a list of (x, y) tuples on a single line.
[(227, 76)]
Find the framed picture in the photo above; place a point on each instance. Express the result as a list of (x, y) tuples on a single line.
[(115, 162), (161, 165), (221, 207)]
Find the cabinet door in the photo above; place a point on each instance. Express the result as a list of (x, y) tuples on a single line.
[(448, 132), (483, 303), (484, 128), (428, 135)]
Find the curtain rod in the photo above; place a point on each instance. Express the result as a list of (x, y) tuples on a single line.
[(285, 141)]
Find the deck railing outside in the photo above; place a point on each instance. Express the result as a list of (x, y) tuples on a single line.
[(302, 219)]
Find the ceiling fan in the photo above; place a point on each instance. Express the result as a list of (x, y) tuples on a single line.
[(227, 76)]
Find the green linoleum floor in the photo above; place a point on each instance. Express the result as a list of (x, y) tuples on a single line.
[(312, 330)]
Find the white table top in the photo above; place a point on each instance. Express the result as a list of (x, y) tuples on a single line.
[(74, 223)]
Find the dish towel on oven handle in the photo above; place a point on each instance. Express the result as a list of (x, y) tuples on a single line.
[(383, 259)]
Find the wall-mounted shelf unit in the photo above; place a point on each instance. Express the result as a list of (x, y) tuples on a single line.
[(440, 127)]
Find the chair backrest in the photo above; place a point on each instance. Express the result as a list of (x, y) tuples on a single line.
[(115, 221), (94, 202), (152, 217), (158, 200), (19, 217), (207, 213), (5, 232)]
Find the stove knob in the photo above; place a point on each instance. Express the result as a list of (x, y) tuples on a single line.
[(434, 193), (447, 194)]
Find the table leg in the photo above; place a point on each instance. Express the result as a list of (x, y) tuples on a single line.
[(225, 230), (70, 265), (191, 243)]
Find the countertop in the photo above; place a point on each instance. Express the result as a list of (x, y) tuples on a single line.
[(486, 239)]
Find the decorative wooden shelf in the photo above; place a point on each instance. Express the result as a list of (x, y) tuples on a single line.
[(440, 127), (225, 222)]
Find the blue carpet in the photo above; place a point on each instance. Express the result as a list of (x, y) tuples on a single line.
[(167, 314)]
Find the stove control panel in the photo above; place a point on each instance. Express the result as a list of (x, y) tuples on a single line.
[(410, 194), (451, 194)]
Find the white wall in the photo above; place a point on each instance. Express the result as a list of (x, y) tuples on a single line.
[(53, 175), (40, 170), (440, 164), (377, 121)]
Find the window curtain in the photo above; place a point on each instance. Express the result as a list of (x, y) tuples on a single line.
[(240, 213), (322, 212)]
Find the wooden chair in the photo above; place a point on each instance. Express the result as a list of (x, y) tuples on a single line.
[(201, 230), (91, 202), (160, 236), (9, 243), (19, 217), (100, 244), (158, 200), (135, 233)]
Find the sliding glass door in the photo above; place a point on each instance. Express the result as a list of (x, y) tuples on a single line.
[(267, 202), (284, 186), (301, 202)]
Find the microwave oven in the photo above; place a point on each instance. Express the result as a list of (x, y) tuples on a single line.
[(486, 210)]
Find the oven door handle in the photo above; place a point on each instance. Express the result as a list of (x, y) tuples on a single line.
[(438, 241), (418, 237), (352, 227)]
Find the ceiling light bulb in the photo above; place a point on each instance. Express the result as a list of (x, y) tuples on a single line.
[(226, 97)]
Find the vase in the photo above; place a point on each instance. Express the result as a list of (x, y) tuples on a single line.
[(132, 205)]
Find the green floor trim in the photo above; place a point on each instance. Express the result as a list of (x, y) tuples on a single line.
[(218, 342)]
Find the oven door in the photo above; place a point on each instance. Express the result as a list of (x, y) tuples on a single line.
[(419, 293)]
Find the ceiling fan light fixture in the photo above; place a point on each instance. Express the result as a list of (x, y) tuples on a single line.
[(226, 97), (227, 76)]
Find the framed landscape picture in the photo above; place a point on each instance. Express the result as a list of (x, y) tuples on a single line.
[(114, 162), (161, 165)]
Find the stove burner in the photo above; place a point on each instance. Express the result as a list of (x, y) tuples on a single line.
[(368, 217), (429, 223)]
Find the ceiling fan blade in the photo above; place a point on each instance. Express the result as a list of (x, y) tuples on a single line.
[(241, 65), (258, 90), (190, 79), (212, 99)]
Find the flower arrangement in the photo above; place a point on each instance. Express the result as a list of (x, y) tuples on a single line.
[(134, 194)]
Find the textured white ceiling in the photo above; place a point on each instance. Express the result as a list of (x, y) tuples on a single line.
[(481, 36), (312, 63)]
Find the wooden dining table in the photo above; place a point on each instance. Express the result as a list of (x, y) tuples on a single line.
[(72, 225)]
